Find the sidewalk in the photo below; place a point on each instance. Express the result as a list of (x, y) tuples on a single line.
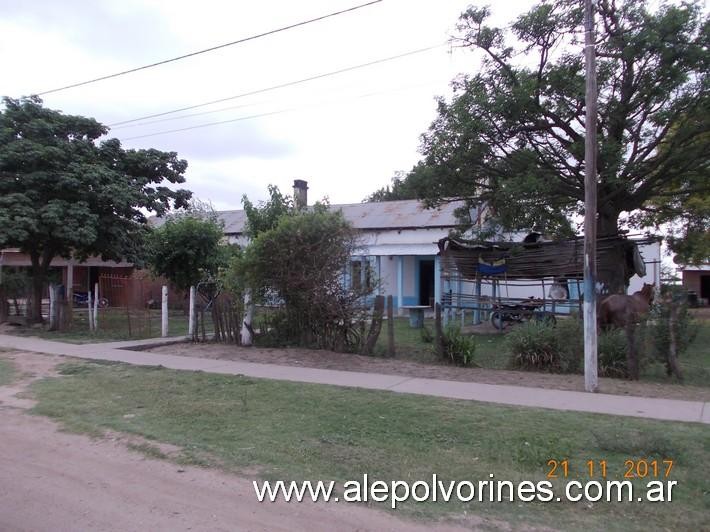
[(620, 405)]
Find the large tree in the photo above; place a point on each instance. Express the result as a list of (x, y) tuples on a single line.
[(64, 193), (512, 136)]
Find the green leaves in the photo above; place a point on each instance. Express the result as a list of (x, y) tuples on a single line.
[(187, 249), (512, 135), (64, 193)]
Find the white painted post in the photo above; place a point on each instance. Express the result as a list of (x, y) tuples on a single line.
[(591, 381), (96, 306), (91, 311), (191, 318), (69, 291), (52, 306), (248, 316), (164, 313)]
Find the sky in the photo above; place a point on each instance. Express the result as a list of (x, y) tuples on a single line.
[(345, 134)]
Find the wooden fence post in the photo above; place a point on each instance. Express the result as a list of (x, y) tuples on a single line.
[(390, 326), (164, 313), (438, 331), (375, 326)]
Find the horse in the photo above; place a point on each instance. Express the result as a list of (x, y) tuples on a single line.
[(624, 312), (620, 310)]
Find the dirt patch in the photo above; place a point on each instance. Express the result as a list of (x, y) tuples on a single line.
[(30, 367), (51, 480), (407, 368)]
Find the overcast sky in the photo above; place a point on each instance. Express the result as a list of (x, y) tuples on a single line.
[(346, 134)]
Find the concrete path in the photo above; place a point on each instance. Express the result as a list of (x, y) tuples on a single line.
[(620, 405)]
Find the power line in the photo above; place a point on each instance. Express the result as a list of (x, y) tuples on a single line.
[(281, 86), (231, 108), (211, 49), (269, 113)]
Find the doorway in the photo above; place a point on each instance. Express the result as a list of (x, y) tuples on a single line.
[(426, 282), (705, 286)]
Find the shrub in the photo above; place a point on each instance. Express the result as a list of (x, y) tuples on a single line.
[(542, 347), (299, 263), (457, 347), (612, 350), (659, 332)]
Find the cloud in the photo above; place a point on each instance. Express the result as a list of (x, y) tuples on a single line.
[(113, 29), (226, 141)]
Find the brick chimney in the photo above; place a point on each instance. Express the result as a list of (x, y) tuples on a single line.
[(300, 193)]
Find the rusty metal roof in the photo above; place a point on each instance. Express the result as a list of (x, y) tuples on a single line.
[(402, 214)]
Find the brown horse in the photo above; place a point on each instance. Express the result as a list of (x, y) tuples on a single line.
[(625, 312), (619, 310)]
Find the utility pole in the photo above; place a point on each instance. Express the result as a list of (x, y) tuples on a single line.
[(590, 204)]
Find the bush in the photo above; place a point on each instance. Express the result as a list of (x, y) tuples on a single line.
[(659, 332), (456, 347), (299, 263), (612, 350), (542, 347)]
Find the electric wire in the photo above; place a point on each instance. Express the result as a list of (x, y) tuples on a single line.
[(211, 49)]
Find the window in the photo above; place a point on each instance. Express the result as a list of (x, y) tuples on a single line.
[(356, 274)]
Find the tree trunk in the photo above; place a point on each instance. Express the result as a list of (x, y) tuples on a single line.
[(611, 268)]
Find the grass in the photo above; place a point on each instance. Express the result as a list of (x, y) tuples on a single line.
[(694, 362), (411, 344), (114, 326), (492, 352), (7, 372), (298, 431)]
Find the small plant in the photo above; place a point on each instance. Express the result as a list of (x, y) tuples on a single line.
[(612, 349), (542, 347), (458, 347), (426, 335)]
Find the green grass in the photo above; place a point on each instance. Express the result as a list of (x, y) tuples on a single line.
[(298, 431), (492, 352), (410, 344), (7, 372), (114, 326), (694, 362)]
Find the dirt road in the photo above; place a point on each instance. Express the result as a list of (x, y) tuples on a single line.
[(56, 481)]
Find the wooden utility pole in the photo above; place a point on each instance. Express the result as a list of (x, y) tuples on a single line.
[(590, 205)]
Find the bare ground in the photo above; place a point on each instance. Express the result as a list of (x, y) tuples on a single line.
[(408, 368), (51, 480)]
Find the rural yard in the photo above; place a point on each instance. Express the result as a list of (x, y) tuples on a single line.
[(442, 266), (53, 480)]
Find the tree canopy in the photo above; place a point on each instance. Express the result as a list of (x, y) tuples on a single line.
[(512, 135), (65, 193), (187, 248)]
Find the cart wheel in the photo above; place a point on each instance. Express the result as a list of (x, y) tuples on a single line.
[(103, 302), (498, 320), (546, 318)]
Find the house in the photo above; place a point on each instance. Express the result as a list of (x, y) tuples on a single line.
[(399, 244), (696, 280), (80, 275), (400, 248)]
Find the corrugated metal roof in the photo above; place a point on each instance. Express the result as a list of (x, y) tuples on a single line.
[(376, 215)]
